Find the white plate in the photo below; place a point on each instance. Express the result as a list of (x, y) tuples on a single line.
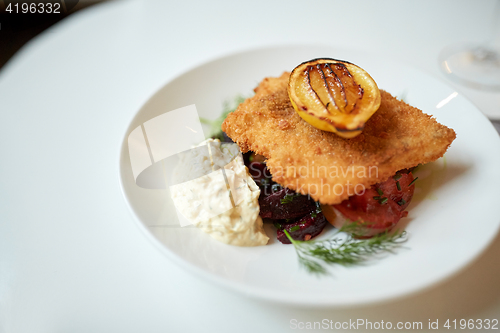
[(453, 218)]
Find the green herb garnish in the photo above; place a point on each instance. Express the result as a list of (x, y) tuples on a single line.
[(215, 125), (288, 198), (412, 181), (317, 211), (295, 228), (397, 176), (381, 200), (277, 225), (398, 186), (380, 192), (401, 202), (315, 256)]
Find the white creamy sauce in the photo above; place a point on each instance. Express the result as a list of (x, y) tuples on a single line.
[(216, 193)]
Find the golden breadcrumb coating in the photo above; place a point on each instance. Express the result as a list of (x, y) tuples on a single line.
[(322, 164)]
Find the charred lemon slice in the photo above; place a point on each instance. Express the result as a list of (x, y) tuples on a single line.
[(333, 95)]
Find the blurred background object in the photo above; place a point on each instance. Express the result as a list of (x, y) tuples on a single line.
[(476, 65), (16, 29)]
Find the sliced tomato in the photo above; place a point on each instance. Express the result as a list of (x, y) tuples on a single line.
[(380, 207), (402, 195)]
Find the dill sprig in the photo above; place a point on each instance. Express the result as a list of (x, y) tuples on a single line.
[(215, 125), (344, 250)]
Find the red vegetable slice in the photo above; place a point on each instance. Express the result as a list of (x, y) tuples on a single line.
[(305, 228), (379, 208), (285, 204)]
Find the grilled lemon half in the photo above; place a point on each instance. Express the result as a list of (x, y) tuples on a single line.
[(333, 95)]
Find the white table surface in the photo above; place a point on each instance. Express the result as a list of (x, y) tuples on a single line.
[(72, 258)]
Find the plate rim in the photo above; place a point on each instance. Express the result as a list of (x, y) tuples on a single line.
[(259, 293)]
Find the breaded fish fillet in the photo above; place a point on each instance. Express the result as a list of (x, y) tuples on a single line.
[(322, 164)]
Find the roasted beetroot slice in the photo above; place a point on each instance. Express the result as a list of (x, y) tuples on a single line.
[(285, 204), (311, 224)]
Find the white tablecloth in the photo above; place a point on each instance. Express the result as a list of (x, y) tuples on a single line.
[(71, 257)]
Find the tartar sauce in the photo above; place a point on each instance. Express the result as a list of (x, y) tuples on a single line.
[(216, 193)]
